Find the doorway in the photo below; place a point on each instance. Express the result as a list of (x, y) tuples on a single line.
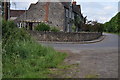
[(30, 26)]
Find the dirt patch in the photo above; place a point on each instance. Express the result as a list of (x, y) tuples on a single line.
[(88, 64)]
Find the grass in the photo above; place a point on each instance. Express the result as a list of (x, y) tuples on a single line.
[(23, 57), (36, 64), (63, 69), (91, 76)]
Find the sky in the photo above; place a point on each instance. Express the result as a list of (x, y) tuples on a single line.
[(98, 10)]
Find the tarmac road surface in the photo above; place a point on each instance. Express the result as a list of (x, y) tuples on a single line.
[(94, 60)]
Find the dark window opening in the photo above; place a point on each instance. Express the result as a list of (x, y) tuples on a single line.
[(30, 26)]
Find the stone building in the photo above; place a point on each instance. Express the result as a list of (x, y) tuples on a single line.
[(14, 14), (57, 14)]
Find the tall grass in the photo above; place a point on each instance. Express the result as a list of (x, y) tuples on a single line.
[(23, 57)]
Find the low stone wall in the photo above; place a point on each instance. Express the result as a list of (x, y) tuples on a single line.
[(65, 36)]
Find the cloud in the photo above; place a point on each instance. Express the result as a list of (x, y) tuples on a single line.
[(100, 11), (31, 1), (20, 5), (97, 0), (108, 7)]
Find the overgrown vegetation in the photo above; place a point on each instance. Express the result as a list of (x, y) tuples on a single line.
[(54, 29), (92, 26), (46, 27), (77, 23), (74, 28), (113, 26), (43, 27), (25, 58)]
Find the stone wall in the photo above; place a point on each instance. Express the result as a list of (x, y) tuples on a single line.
[(56, 15), (65, 36)]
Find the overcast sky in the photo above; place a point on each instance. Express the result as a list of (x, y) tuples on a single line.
[(100, 10)]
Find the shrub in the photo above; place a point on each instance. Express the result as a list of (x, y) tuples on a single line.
[(73, 28), (42, 27), (54, 29)]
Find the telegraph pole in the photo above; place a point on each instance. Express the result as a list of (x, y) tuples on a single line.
[(6, 6)]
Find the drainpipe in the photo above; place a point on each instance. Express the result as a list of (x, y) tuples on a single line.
[(26, 19), (70, 12), (8, 9)]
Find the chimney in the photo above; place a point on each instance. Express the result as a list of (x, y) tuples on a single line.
[(74, 2), (78, 6), (46, 11)]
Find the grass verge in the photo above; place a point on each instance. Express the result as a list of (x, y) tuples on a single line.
[(23, 57), (91, 76)]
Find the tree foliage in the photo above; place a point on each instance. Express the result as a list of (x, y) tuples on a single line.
[(92, 26), (113, 24)]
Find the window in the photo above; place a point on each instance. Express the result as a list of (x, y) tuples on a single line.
[(20, 25), (72, 15), (68, 27), (66, 12)]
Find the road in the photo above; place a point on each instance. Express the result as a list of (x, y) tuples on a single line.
[(94, 60)]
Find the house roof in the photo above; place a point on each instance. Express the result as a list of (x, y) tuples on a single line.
[(76, 9), (32, 4), (66, 4), (16, 13), (39, 12)]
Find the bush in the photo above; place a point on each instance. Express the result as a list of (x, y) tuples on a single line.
[(93, 26), (42, 27), (54, 29), (73, 28)]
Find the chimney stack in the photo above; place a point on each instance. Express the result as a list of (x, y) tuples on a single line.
[(74, 2), (46, 11), (78, 6)]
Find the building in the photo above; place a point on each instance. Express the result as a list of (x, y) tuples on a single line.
[(14, 14), (58, 14)]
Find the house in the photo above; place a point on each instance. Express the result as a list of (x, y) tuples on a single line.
[(16, 13), (57, 14)]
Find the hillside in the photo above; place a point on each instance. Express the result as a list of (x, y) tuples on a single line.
[(113, 24)]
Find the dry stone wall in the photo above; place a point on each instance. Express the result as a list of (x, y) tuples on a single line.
[(65, 36)]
